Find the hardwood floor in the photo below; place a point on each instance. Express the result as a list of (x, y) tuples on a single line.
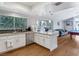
[(66, 47), (30, 50)]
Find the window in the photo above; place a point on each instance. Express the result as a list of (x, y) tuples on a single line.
[(44, 24), (11, 23)]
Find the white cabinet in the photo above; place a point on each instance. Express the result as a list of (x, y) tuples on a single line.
[(29, 37), (41, 42), (46, 40), (11, 42), (20, 40), (3, 44), (36, 38)]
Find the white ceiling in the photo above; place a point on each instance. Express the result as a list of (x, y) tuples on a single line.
[(29, 4), (27, 7), (24, 4), (32, 4)]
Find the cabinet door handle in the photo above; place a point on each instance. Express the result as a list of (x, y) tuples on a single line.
[(11, 44)]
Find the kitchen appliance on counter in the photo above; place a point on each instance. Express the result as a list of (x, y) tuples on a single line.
[(29, 29)]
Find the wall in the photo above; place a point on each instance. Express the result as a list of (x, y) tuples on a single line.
[(15, 7), (56, 26), (39, 10), (76, 23), (69, 24)]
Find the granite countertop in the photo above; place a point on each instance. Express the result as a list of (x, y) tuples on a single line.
[(11, 34), (15, 33), (48, 33)]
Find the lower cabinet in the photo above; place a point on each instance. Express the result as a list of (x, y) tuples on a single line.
[(20, 40), (29, 37), (8, 43), (2, 44), (48, 41), (36, 38)]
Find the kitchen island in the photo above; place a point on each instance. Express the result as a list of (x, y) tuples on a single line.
[(46, 39)]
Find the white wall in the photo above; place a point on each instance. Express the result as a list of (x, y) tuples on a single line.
[(39, 10), (65, 14), (74, 23), (60, 26), (69, 21), (15, 7)]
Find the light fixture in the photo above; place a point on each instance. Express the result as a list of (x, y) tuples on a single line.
[(50, 13), (58, 3)]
